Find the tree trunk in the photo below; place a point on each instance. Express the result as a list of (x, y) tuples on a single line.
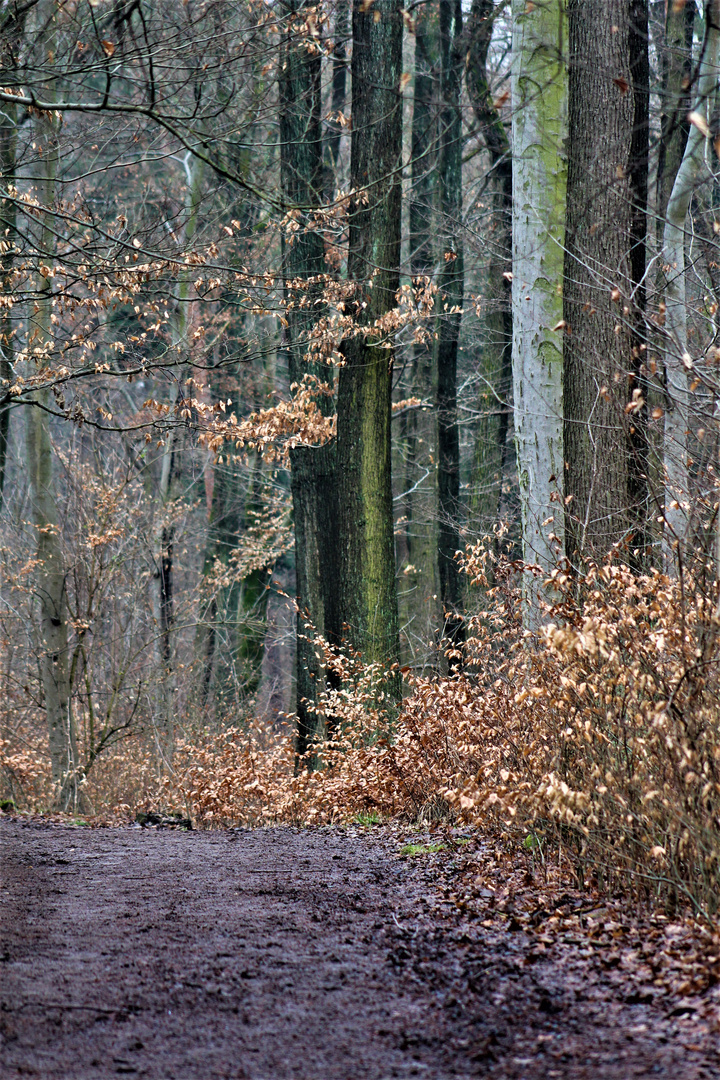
[(12, 32), (367, 596), (677, 361), (598, 279), (51, 576), (303, 265), (419, 606), (638, 488), (676, 70), (339, 85), (164, 540), (539, 182), (449, 303), (492, 452)]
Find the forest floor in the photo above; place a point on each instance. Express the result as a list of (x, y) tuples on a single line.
[(324, 954)]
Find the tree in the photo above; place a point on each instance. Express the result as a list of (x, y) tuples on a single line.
[(539, 94), (367, 606), (678, 362), (492, 444), (598, 277), (450, 303), (312, 468)]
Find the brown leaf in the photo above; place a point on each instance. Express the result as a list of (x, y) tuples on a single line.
[(622, 84), (108, 48)]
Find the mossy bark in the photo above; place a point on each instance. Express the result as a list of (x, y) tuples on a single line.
[(367, 607)]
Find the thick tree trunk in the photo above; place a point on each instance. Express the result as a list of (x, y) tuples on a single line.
[(303, 264), (492, 450), (449, 302), (677, 360), (539, 93), (367, 595), (597, 262)]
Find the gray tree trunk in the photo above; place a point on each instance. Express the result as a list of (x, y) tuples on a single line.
[(539, 95), (678, 362), (598, 279)]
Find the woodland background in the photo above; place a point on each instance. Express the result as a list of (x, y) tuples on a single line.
[(358, 422)]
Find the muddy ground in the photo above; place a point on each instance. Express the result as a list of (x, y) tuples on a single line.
[(274, 954)]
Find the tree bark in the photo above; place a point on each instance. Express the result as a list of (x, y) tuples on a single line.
[(539, 92), (677, 360), (164, 538), (492, 451), (51, 574), (449, 303), (638, 487), (367, 594), (419, 606), (312, 468), (676, 92), (12, 32), (598, 261)]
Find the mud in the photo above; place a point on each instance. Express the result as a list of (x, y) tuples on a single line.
[(274, 954)]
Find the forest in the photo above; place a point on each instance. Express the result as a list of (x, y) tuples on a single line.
[(359, 445)]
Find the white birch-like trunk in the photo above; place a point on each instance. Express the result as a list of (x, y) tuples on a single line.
[(678, 362), (539, 128)]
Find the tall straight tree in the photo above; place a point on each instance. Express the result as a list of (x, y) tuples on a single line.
[(598, 277), (51, 585), (539, 89), (638, 490), (301, 163), (367, 593), (450, 300), (678, 362), (492, 451), (420, 609)]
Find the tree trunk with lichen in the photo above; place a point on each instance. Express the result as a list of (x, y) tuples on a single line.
[(367, 608), (539, 97)]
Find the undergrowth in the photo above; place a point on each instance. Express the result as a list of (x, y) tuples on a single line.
[(597, 740)]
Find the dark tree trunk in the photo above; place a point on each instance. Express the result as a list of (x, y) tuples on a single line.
[(367, 596), (450, 300), (303, 263), (597, 260), (492, 455)]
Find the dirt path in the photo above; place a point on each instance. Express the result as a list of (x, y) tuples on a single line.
[(279, 954)]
